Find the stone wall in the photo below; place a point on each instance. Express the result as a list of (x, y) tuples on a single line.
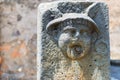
[(18, 39)]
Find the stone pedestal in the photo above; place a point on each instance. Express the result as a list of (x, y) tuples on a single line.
[(73, 41)]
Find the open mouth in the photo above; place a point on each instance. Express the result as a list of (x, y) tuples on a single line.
[(78, 49), (75, 51)]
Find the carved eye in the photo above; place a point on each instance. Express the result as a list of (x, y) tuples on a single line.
[(73, 32), (84, 32), (53, 32), (54, 29)]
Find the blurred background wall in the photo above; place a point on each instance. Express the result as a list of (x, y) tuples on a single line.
[(18, 34)]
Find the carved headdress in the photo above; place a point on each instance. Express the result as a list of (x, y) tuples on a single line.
[(83, 19)]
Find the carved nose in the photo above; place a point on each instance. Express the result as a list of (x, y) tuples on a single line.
[(77, 35)]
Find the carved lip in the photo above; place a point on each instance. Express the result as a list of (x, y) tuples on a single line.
[(75, 51), (78, 49)]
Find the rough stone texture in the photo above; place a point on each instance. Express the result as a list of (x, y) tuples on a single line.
[(9, 7), (53, 65)]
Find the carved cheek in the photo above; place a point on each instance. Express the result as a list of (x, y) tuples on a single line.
[(86, 39), (87, 43), (64, 39)]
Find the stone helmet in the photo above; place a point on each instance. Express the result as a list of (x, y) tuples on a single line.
[(83, 19)]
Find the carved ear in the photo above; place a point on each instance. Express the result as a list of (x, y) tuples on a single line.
[(101, 46), (95, 37)]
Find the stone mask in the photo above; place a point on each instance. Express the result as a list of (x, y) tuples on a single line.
[(73, 34)]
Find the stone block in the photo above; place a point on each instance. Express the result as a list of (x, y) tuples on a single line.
[(73, 41)]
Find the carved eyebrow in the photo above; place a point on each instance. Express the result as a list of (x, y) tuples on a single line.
[(69, 28)]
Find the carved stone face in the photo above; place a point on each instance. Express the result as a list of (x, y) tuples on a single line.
[(73, 37), (75, 41)]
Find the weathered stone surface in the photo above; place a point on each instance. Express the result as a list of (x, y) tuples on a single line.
[(29, 6), (64, 27)]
